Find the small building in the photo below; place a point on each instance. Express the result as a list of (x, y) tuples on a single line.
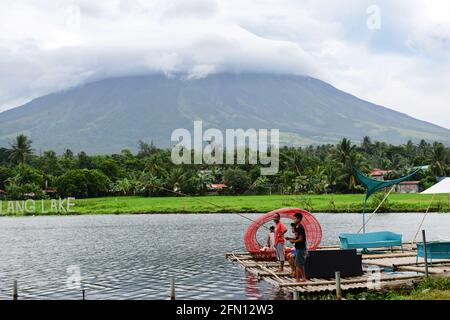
[(51, 193), (216, 186), (29, 196), (408, 187), (378, 174)]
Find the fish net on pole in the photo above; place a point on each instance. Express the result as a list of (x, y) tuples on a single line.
[(312, 227)]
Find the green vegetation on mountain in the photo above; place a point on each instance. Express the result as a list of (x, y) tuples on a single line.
[(110, 115)]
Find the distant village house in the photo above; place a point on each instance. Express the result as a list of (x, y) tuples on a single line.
[(378, 174), (216, 187), (404, 187), (408, 187)]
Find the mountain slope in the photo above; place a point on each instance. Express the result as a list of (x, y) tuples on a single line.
[(113, 114)]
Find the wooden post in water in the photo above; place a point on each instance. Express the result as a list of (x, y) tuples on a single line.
[(425, 252), (84, 294), (15, 292), (338, 285), (172, 289)]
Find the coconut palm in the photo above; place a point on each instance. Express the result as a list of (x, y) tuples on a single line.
[(331, 172), (437, 158), (347, 174), (200, 181), (348, 157), (344, 149), (292, 160), (20, 149), (366, 144), (151, 184), (122, 186)]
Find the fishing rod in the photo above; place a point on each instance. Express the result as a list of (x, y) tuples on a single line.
[(205, 201)]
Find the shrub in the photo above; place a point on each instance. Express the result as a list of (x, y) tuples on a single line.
[(237, 181), (83, 183), (5, 174)]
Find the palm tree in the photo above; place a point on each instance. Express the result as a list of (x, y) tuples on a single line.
[(151, 183), (343, 150), (331, 172), (122, 186), (366, 144), (347, 174), (292, 160), (348, 157), (317, 180), (20, 149), (437, 159), (201, 181)]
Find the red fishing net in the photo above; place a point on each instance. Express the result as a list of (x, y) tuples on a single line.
[(312, 228)]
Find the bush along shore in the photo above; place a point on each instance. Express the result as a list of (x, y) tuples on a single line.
[(336, 203)]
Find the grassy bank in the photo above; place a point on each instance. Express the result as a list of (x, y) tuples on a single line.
[(315, 203), (433, 288)]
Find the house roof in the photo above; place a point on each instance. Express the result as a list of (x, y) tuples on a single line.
[(217, 186), (409, 182), (378, 172)]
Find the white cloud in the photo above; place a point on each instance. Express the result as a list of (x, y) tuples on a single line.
[(47, 46)]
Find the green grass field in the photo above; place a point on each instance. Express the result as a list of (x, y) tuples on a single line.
[(212, 204)]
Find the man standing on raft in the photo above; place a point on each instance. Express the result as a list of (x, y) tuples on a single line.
[(280, 230), (300, 248)]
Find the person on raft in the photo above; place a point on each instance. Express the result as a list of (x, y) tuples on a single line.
[(291, 255), (280, 230), (299, 240), (270, 241)]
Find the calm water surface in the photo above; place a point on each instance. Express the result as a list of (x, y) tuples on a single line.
[(134, 256)]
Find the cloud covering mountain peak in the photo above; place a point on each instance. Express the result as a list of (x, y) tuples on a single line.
[(48, 46)]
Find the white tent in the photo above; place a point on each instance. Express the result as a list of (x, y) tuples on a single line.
[(441, 187)]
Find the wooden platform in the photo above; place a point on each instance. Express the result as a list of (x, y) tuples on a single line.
[(382, 269)]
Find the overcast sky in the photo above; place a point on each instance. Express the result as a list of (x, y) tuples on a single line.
[(394, 53)]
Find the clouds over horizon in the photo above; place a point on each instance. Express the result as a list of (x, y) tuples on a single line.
[(47, 46)]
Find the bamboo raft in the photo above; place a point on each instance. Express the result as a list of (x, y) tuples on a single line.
[(381, 270)]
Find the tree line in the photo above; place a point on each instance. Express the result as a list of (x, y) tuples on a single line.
[(150, 172)]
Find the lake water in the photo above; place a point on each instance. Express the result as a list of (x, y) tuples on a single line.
[(134, 256)]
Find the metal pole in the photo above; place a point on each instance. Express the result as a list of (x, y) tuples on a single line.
[(375, 211), (172, 289), (338, 285), (15, 292), (364, 216), (425, 256), (423, 219)]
